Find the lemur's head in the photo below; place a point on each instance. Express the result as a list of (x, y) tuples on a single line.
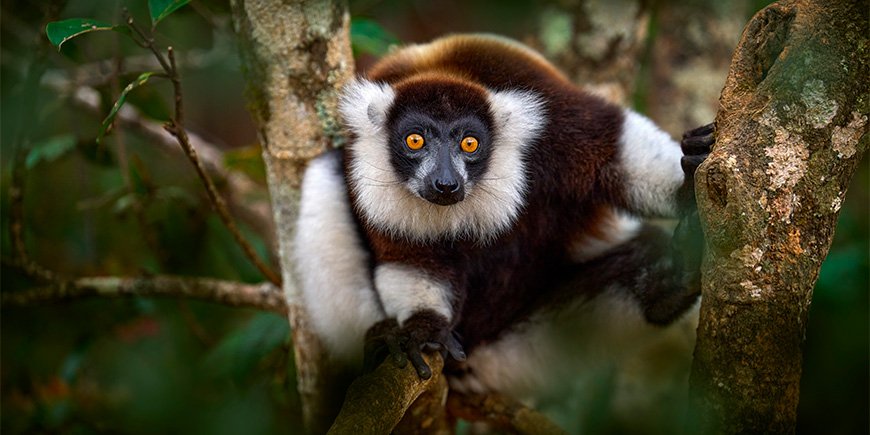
[(437, 156)]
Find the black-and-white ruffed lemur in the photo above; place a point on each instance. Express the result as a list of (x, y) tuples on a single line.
[(488, 208)]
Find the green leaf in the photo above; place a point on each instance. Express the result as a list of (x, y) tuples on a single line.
[(50, 149), (161, 9), (141, 80), (369, 37), (59, 32)]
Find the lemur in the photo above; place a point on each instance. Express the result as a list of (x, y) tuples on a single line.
[(488, 208)]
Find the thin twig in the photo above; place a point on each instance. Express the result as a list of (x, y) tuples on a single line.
[(176, 127), (245, 196), (263, 296), (147, 42), (16, 189)]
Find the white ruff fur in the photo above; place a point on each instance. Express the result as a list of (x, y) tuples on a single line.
[(650, 160), (491, 205), (405, 290), (332, 264)]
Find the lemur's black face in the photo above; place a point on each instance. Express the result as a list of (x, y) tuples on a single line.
[(440, 139)]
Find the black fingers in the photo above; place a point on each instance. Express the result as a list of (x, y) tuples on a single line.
[(696, 146), (419, 363), (424, 331), (454, 348), (703, 130), (698, 141), (690, 163)]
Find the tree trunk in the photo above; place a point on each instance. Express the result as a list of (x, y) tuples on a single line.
[(790, 132), (296, 56)]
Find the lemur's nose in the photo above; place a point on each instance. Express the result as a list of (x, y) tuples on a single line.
[(445, 186)]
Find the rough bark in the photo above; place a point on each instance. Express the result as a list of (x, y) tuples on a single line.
[(297, 56), (376, 402), (790, 132)]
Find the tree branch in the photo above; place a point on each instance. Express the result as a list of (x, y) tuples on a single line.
[(176, 127), (246, 197), (294, 73), (262, 296), (501, 411), (376, 402)]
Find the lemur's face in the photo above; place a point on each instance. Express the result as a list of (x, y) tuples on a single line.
[(440, 140), (432, 157)]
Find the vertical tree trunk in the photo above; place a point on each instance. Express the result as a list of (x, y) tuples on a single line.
[(296, 56), (790, 132)]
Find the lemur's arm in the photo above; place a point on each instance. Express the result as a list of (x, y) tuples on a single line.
[(662, 273), (653, 175), (420, 309)]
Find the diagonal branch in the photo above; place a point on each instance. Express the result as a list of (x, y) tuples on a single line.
[(263, 296), (377, 401), (246, 197), (502, 412), (176, 127)]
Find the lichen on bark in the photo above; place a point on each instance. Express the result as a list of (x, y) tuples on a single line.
[(296, 56), (793, 107)]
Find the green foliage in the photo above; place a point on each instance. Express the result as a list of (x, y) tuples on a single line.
[(50, 149), (369, 37), (160, 9), (59, 32), (107, 122)]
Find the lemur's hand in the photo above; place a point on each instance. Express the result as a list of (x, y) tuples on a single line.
[(423, 331), (696, 145), (688, 240)]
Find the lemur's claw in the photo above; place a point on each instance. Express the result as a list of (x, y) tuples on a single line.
[(382, 340), (696, 146), (422, 332)]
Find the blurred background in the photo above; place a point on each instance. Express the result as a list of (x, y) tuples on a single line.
[(129, 207)]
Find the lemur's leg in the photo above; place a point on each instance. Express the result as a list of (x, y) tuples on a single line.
[(662, 272)]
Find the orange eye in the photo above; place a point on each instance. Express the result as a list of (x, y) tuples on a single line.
[(414, 141), (469, 144)]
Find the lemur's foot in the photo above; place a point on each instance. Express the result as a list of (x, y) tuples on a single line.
[(423, 331)]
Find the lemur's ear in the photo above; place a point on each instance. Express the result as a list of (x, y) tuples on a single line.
[(364, 105), (517, 114)]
